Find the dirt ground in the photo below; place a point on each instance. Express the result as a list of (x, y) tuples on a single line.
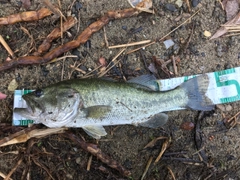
[(60, 158)]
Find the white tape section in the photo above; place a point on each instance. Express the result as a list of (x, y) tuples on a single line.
[(224, 87)]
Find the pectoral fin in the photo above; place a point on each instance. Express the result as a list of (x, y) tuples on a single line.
[(97, 112), (155, 121), (95, 131)]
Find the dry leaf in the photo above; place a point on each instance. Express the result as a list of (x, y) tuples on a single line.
[(102, 61), (231, 8), (2, 96), (233, 23), (13, 85), (142, 5), (26, 4), (152, 68)]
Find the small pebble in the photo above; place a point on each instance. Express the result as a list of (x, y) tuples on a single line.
[(124, 28), (168, 43), (207, 34), (76, 52), (83, 68), (203, 54), (221, 107), (136, 30), (69, 176), (179, 3), (228, 107), (195, 2), (84, 53), (171, 7), (188, 126), (88, 44), (78, 160), (78, 5)]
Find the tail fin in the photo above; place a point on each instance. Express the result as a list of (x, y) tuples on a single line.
[(196, 89)]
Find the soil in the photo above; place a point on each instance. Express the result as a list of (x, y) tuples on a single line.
[(62, 158)]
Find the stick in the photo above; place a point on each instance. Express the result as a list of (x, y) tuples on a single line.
[(89, 163), (118, 54), (94, 150), (5, 45), (160, 39), (25, 16), (56, 33), (130, 44), (147, 167), (164, 147), (105, 37), (4, 176), (81, 39), (13, 169)]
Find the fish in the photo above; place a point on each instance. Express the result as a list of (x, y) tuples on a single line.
[(91, 104)]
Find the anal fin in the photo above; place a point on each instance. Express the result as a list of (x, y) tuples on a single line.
[(158, 120), (95, 131)]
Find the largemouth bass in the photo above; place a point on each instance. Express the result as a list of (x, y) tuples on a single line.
[(94, 103)]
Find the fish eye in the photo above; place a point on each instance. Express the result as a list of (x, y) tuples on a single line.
[(38, 92), (70, 96)]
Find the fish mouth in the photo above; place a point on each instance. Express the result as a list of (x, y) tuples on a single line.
[(30, 111)]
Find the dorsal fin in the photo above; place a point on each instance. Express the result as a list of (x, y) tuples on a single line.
[(147, 82)]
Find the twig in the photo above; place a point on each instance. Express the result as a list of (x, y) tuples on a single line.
[(188, 5), (82, 38), (89, 163), (221, 4), (55, 33), (172, 174), (63, 64), (89, 73), (5, 45), (130, 44), (164, 147), (61, 58), (30, 36), (108, 68), (160, 39), (174, 65), (78, 69), (42, 166), (198, 137), (105, 37), (147, 167), (94, 150), (17, 134), (13, 169), (234, 119), (25, 135), (184, 160), (4, 176), (189, 39)]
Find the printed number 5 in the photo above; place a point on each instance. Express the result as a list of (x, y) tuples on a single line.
[(220, 82)]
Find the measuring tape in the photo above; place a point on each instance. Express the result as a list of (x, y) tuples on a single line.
[(224, 87)]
